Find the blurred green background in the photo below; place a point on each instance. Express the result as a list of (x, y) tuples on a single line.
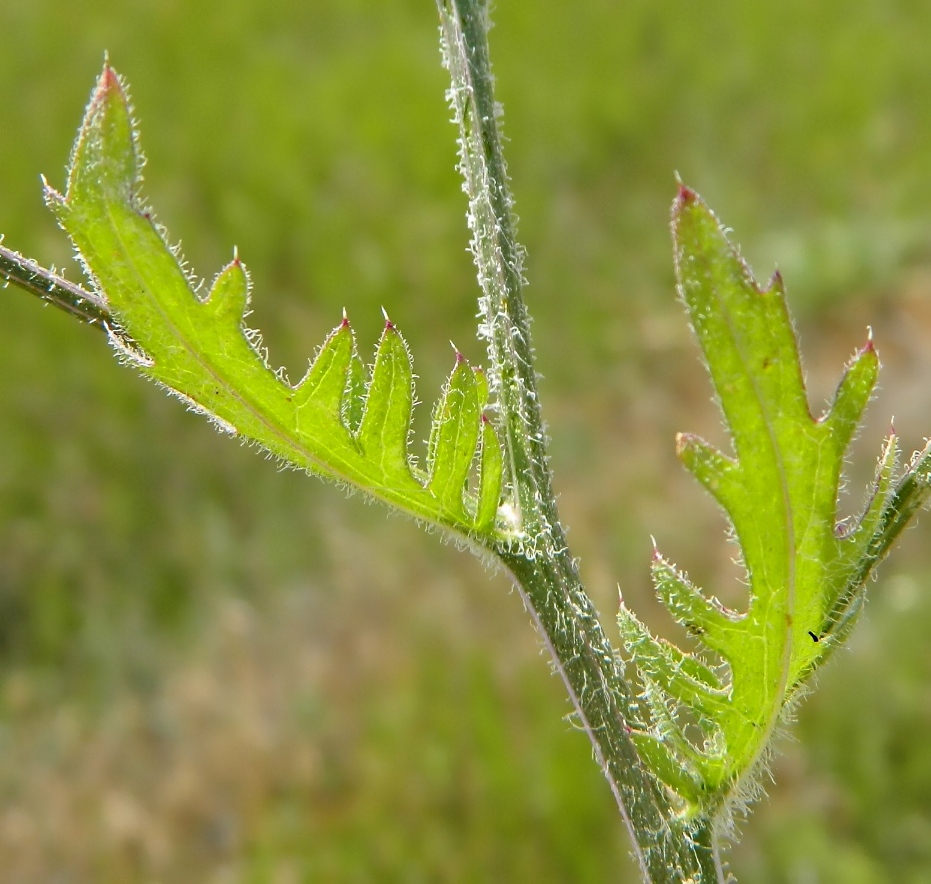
[(212, 670)]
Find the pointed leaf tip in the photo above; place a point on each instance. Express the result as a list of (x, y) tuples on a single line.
[(109, 79), (685, 194), (228, 297), (104, 160), (683, 440)]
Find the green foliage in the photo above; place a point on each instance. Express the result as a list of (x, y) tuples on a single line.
[(335, 421), (859, 761), (360, 433), (709, 725)]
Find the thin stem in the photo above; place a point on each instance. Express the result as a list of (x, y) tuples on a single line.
[(499, 259), (54, 289), (667, 850), (535, 550)]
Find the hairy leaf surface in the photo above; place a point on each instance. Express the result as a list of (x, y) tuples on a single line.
[(708, 715), (339, 421)]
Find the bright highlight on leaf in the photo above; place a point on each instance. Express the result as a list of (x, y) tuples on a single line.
[(708, 717), (339, 421)]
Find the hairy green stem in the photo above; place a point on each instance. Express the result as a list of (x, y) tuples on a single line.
[(499, 259), (53, 289), (667, 850), (536, 553)]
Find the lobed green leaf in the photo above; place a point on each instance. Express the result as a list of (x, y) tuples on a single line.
[(806, 572), (337, 422)]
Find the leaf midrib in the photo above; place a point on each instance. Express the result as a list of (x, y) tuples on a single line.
[(786, 499)]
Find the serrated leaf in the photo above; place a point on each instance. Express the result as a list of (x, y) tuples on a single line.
[(456, 423), (779, 490), (336, 422)]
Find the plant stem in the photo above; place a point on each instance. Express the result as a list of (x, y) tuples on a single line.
[(536, 553), (667, 850), (54, 289)]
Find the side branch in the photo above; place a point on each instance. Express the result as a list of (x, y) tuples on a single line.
[(53, 289)]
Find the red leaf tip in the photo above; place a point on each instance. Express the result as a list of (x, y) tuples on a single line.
[(686, 194), (108, 78), (109, 81)]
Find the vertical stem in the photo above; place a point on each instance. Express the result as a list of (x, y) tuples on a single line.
[(667, 850), (536, 552), (499, 259)]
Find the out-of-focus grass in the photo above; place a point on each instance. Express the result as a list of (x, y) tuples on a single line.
[(212, 670)]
